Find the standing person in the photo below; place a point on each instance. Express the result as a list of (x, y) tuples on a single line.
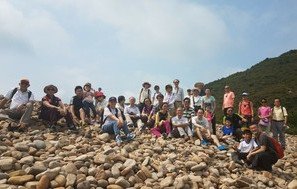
[(88, 100), (145, 92), (200, 86), (264, 157), (182, 125), (157, 92), (179, 94), (279, 122), (113, 122), (162, 123), (77, 107), (228, 100), (52, 109), (209, 101), (132, 114), (189, 93), (170, 99), (264, 114), (21, 105), (196, 100), (245, 109)]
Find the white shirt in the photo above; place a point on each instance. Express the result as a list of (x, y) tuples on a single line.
[(245, 147), (107, 113), (132, 109), (170, 99), (19, 98), (145, 93), (196, 101), (178, 121), (179, 93)]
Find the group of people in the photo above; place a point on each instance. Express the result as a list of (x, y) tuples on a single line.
[(172, 114)]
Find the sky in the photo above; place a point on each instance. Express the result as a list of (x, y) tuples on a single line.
[(118, 45)]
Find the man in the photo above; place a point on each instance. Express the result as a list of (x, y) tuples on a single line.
[(228, 100), (132, 114), (188, 111), (21, 105), (279, 122), (245, 109), (202, 129), (181, 125), (264, 157), (77, 108), (179, 94), (113, 122)]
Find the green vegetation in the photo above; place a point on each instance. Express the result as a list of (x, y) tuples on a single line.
[(273, 77)]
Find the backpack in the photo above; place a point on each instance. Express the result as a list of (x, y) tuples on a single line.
[(277, 148), (116, 114), (281, 108), (16, 89)]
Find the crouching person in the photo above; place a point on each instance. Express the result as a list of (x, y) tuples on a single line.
[(263, 157), (181, 126), (52, 109), (113, 122), (21, 105), (132, 114), (77, 107)]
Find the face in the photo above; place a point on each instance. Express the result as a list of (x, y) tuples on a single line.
[(160, 100), (229, 111), (254, 129), (189, 92), (179, 112), (24, 86), (51, 91), (132, 101), (165, 107), (147, 102), (277, 102), (247, 136), (207, 91), (146, 86), (112, 103), (157, 89), (87, 88), (187, 103), (263, 102), (200, 113), (228, 123), (195, 92), (169, 89), (79, 92), (100, 98), (175, 82), (227, 89), (244, 97)]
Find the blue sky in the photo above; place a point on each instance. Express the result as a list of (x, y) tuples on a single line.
[(117, 45)]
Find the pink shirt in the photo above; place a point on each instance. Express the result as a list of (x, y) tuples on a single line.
[(264, 111), (228, 100)]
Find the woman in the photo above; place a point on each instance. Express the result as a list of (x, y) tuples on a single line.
[(162, 124), (146, 111), (52, 109), (157, 92), (209, 102), (170, 99), (264, 114), (196, 100)]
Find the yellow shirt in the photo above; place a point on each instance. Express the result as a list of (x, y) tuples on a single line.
[(277, 113)]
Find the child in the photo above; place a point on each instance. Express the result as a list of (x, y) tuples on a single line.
[(208, 115), (244, 147), (227, 130), (88, 100)]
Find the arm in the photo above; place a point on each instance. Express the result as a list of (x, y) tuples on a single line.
[(72, 111), (3, 102), (157, 120), (256, 151)]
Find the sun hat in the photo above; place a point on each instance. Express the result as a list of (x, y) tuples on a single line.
[(46, 88), (146, 83)]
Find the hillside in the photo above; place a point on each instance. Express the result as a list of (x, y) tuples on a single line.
[(272, 77)]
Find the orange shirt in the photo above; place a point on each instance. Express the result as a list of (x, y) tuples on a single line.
[(245, 108), (228, 100)]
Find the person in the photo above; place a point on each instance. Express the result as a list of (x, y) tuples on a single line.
[(132, 114), (264, 114), (208, 115), (52, 109), (179, 94), (77, 108), (162, 122), (209, 101), (156, 107), (228, 100), (244, 147), (279, 122), (88, 100), (227, 129), (21, 105), (157, 92), (189, 93), (170, 99), (121, 106), (196, 100), (263, 157), (145, 114), (188, 111), (202, 129), (245, 109), (145, 92), (181, 126), (235, 121), (113, 122), (100, 104)]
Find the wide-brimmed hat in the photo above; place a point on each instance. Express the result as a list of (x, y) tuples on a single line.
[(46, 88), (99, 94), (198, 85), (146, 83)]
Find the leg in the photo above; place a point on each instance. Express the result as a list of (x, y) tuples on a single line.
[(199, 134), (27, 115), (92, 106), (82, 115), (167, 126), (215, 140), (274, 130), (129, 120), (139, 124), (213, 124), (282, 139), (182, 132), (125, 128), (87, 108), (156, 131), (108, 128)]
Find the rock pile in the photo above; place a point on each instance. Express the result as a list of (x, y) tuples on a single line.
[(40, 159)]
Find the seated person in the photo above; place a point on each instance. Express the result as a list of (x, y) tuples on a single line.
[(52, 109), (181, 126), (202, 129), (100, 104), (156, 107), (209, 116), (145, 115), (113, 122), (227, 130), (162, 123), (88, 100), (244, 147), (132, 114), (77, 108), (21, 105), (263, 157)]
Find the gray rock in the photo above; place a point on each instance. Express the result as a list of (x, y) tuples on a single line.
[(39, 144), (70, 180), (21, 147), (51, 173), (27, 160), (6, 164), (84, 185)]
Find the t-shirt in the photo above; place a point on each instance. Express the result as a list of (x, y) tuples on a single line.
[(189, 113), (263, 140), (278, 114), (77, 102), (227, 131), (228, 100), (235, 120), (246, 147), (264, 111), (208, 102), (202, 121), (245, 108), (19, 98), (107, 112)]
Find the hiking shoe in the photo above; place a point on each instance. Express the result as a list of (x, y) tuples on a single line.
[(72, 127), (222, 147), (118, 140), (204, 142), (130, 136), (53, 128)]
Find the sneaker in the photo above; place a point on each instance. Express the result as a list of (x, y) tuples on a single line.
[(53, 128), (222, 147), (130, 136), (118, 140), (204, 142), (72, 128)]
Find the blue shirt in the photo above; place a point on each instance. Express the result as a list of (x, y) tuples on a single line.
[(227, 131)]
